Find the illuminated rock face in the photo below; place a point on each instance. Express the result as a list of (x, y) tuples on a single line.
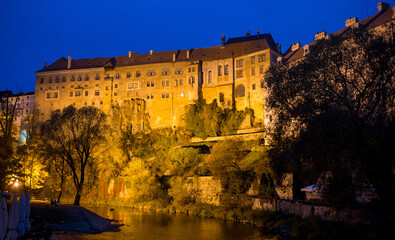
[(166, 81)]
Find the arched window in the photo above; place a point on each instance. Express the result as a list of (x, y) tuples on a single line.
[(226, 70), (210, 77), (219, 70), (240, 90)]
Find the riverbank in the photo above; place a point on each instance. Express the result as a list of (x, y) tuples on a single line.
[(274, 225), (46, 220)]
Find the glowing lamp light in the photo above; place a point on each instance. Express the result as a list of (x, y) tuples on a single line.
[(16, 184)]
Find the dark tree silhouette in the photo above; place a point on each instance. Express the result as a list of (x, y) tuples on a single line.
[(334, 111), (75, 136)]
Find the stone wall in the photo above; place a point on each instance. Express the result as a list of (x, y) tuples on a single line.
[(205, 189), (306, 210)]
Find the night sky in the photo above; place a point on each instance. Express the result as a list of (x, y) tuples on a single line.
[(34, 32)]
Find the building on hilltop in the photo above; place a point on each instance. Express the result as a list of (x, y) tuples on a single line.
[(166, 81), (24, 105)]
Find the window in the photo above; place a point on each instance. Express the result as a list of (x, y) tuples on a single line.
[(97, 77), (182, 94), (163, 95), (107, 88), (57, 79), (62, 87), (152, 83), (72, 79), (151, 73), (86, 93), (85, 103), (128, 75), (57, 87), (176, 82), (41, 80), (86, 85), (79, 78), (221, 97), (165, 72), (261, 57), (133, 85), (240, 91), (219, 70), (167, 83), (193, 69), (239, 63), (226, 70), (239, 73), (252, 59), (189, 69), (253, 86), (252, 71), (181, 82), (191, 80), (260, 69), (77, 93), (72, 86), (115, 94), (97, 92), (48, 95), (148, 96), (63, 79), (210, 77), (117, 76), (71, 94), (138, 74), (50, 80), (178, 71), (262, 85), (116, 85), (93, 103), (163, 83), (86, 78)]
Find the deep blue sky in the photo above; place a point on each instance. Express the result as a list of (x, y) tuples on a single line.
[(34, 32)]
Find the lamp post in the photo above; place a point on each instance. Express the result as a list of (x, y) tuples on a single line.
[(112, 83)]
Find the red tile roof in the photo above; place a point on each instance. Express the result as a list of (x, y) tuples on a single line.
[(234, 47)]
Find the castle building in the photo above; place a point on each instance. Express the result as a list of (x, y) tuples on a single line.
[(166, 82)]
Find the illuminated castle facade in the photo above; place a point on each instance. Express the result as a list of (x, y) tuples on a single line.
[(166, 82)]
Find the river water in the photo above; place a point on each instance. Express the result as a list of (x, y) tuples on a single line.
[(147, 225)]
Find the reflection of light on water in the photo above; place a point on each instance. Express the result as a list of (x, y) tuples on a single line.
[(153, 225)]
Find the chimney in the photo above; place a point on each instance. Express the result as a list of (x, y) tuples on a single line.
[(248, 33), (278, 47), (45, 65), (151, 51), (258, 32), (130, 54), (223, 40), (351, 21), (174, 57), (187, 53), (69, 62), (381, 6), (295, 46), (319, 36)]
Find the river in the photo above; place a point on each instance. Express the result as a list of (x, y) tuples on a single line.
[(147, 225)]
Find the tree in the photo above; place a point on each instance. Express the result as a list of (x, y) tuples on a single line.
[(334, 111), (75, 136), (8, 163)]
